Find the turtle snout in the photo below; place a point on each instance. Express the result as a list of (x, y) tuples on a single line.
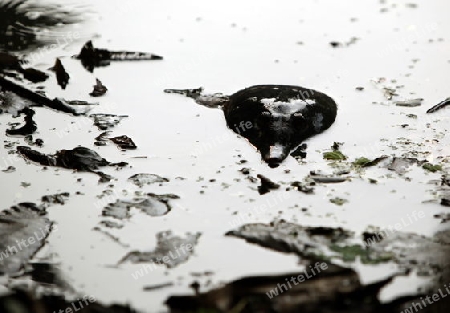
[(276, 154)]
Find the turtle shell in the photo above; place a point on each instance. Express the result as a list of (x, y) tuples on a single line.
[(278, 118)]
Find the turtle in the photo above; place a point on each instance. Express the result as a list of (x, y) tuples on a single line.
[(276, 119)]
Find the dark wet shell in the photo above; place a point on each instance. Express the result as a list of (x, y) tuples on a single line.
[(277, 118)]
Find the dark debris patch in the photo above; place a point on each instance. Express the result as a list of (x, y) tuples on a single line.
[(124, 142), (411, 252), (59, 198), (79, 158), (299, 152), (152, 205), (400, 165), (106, 121), (13, 104), (24, 228), (99, 89), (28, 128), (9, 169), (333, 289), (171, 250), (92, 57), (62, 77), (21, 301), (34, 75), (439, 106), (146, 179), (365, 162), (303, 187), (307, 242), (266, 185)]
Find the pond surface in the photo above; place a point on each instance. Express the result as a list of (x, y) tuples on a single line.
[(224, 47)]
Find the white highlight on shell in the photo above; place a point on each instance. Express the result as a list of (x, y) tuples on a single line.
[(282, 107)]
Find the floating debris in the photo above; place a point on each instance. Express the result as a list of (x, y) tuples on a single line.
[(365, 162), (62, 77), (310, 243), (29, 127), (266, 185), (146, 179), (303, 187), (439, 106), (79, 158), (327, 179), (334, 155), (9, 61), (99, 89), (171, 250), (158, 286), (34, 75), (338, 201), (400, 165), (19, 301), (25, 227), (106, 121), (9, 169), (409, 103), (153, 205), (59, 198), (91, 57), (124, 142), (432, 168), (36, 98), (299, 152), (337, 44), (331, 289)]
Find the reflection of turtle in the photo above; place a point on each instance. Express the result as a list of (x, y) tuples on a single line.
[(274, 118)]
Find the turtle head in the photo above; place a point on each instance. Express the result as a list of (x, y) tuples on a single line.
[(278, 135)]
